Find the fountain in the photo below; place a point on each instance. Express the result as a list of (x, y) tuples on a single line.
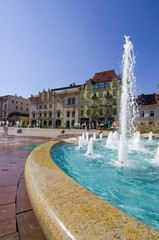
[(127, 167), (90, 147), (80, 142), (87, 137), (94, 136), (101, 136), (127, 111), (150, 137)]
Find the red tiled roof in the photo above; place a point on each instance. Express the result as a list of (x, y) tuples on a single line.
[(105, 76)]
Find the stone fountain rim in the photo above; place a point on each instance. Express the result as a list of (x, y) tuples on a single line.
[(66, 210)]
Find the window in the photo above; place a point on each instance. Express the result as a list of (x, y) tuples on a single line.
[(45, 114), (107, 102), (21, 103), (69, 101), (50, 100), (88, 112), (33, 115), (50, 114), (40, 106), (45, 106), (89, 87), (101, 93), (82, 87), (142, 114), (107, 111), (73, 114), (101, 102), (101, 86), (50, 105), (88, 95), (114, 83), (94, 103), (82, 96), (115, 92), (17, 102), (12, 101), (27, 104), (101, 112), (81, 112), (114, 101), (152, 113), (88, 103), (95, 87), (58, 114), (94, 112), (114, 111), (107, 84), (40, 114), (73, 100), (82, 104), (16, 107), (68, 114), (21, 108), (27, 109)]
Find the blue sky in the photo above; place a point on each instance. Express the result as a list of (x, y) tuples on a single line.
[(53, 43)]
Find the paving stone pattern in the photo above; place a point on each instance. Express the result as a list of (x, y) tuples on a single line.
[(17, 219)]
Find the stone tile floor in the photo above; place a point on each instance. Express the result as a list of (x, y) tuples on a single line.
[(17, 220)]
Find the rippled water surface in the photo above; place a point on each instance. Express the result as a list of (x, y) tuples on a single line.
[(132, 187)]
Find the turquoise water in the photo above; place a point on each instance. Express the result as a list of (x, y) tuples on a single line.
[(31, 147), (132, 187)]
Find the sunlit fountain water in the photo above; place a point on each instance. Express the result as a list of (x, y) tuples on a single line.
[(124, 171), (90, 147), (150, 137), (127, 109)]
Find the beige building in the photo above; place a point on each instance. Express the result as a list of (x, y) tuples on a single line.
[(148, 113), (14, 107), (55, 108)]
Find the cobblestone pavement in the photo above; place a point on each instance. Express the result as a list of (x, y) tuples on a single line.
[(17, 220)]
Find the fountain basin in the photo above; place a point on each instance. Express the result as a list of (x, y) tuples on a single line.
[(66, 210)]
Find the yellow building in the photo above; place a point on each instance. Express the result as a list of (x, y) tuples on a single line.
[(99, 99)]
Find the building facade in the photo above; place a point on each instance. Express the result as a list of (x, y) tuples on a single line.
[(99, 99), (148, 113), (14, 108), (56, 107)]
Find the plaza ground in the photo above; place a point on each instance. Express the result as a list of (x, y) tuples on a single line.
[(17, 220)]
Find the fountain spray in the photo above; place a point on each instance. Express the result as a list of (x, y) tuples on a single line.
[(127, 104)]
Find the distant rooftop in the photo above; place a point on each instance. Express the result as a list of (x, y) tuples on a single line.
[(105, 76)]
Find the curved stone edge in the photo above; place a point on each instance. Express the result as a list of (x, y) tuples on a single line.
[(66, 210)]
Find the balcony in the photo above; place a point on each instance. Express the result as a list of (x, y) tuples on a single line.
[(108, 95), (94, 97), (108, 105), (94, 106)]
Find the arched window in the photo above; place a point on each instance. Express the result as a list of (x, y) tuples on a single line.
[(73, 100), (50, 123), (73, 122), (58, 114), (73, 114), (101, 112), (69, 101), (68, 114), (88, 112)]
